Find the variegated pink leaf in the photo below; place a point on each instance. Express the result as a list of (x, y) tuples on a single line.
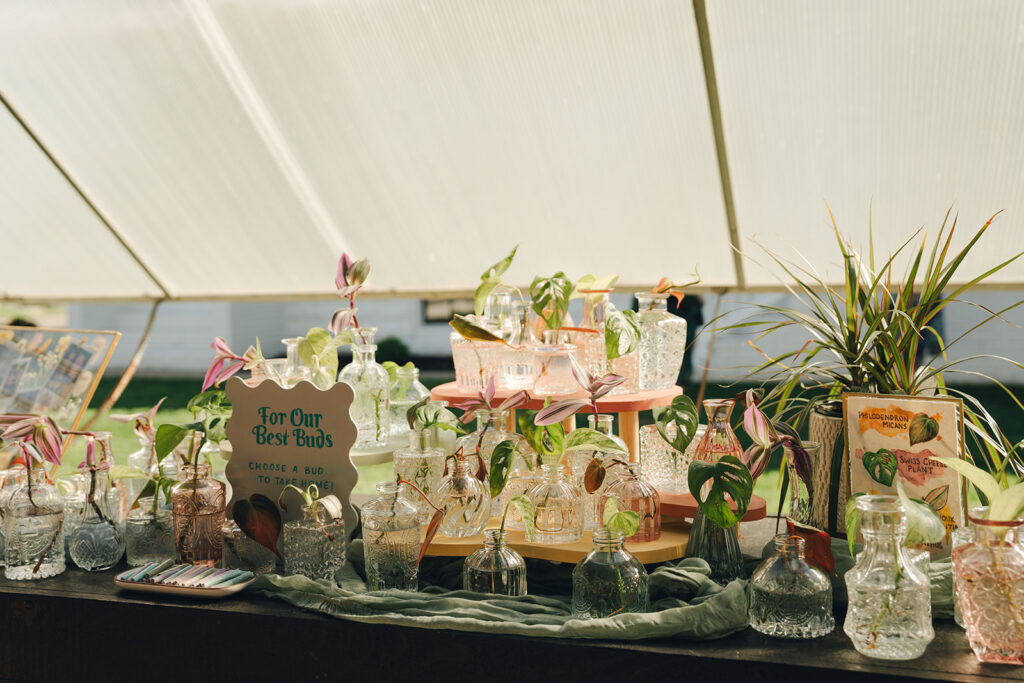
[(583, 377), (558, 411), (514, 401)]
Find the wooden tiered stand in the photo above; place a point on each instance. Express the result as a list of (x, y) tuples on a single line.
[(675, 532)]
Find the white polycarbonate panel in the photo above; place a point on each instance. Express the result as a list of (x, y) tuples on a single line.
[(241, 145), (54, 246), (901, 108)]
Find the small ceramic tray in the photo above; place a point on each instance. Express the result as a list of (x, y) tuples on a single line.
[(187, 591)]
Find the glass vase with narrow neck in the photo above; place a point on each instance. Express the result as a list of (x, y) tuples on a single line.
[(889, 614), (557, 504), (34, 530), (801, 507), (719, 438), (466, 501), (97, 544), (491, 429), (372, 387), (391, 540), (197, 506), (590, 345), (406, 391), (989, 577), (143, 460), (422, 465), (578, 460), (609, 580), (790, 598), (496, 568), (662, 342), (633, 492)]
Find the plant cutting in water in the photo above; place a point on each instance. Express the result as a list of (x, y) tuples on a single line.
[(91, 464), (483, 401), (145, 429), (329, 505), (259, 519), (682, 414), (1005, 503), (626, 522), (349, 280), (676, 290), (491, 280), (549, 298)]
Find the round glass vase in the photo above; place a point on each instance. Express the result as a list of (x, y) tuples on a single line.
[(148, 533), (422, 465), (491, 429), (314, 546), (889, 614), (634, 493), (197, 508), (557, 504), (788, 597), (391, 540), (495, 568), (97, 544), (801, 505), (34, 530), (989, 577), (578, 461), (370, 408), (465, 500), (609, 580), (406, 391), (662, 342)]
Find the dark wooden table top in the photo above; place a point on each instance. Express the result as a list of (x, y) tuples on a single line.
[(80, 627)]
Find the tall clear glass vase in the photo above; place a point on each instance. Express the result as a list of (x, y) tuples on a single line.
[(662, 342), (97, 544), (34, 530), (423, 466), (406, 391), (391, 540), (369, 380)]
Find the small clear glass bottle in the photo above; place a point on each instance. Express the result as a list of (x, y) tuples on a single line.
[(609, 580), (466, 501), (372, 387), (97, 544), (558, 506), (800, 503), (578, 461), (553, 366), (788, 597), (890, 612), (315, 547), (491, 429), (391, 540), (197, 506), (495, 568), (406, 391), (633, 492), (13, 477), (662, 342), (518, 366), (590, 345), (148, 533), (665, 467), (73, 489), (475, 362), (239, 551), (422, 465), (34, 530), (143, 460)]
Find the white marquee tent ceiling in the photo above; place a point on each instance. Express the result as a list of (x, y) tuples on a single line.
[(233, 148)]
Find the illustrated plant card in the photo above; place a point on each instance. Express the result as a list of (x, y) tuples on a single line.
[(892, 438), (279, 436)]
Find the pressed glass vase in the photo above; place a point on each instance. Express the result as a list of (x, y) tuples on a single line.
[(423, 466), (801, 506), (989, 576), (148, 533), (12, 478), (197, 507), (97, 544), (369, 380), (406, 391), (491, 429), (960, 536), (34, 530), (465, 500), (314, 546), (495, 568), (73, 489), (557, 504), (589, 341), (788, 597), (609, 580), (578, 461), (634, 493), (391, 540), (476, 362), (889, 614), (662, 342), (665, 467), (242, 552)]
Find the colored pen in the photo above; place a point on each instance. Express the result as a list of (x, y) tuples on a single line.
[(199, 577), (128, 574), (224, 577), (184, 576), (207, 580), (155, 569), (244, 576), (159, 578)]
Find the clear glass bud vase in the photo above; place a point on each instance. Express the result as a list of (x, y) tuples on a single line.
[(890, 613), (465, 500), (10, 480), (491, 429), (609, 580), (801, 508), (314, 546), (662, 342), (97, 544), (495, 568), (148, 533), (553, 365), (633, 492), (372, 387), (34, 530), (788, 597), (406, 391), (590, 346), (719, 439), (558, 507), (423, 466), (665, 467), (578, 461), (197, 506), (989, 578), (391, 540), (239, 551)]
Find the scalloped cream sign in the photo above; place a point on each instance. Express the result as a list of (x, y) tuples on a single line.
[(297, 436)]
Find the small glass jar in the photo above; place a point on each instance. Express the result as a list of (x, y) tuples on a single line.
[(475, 362), (315, 547), (558, 507), (465, 500), (142, 460), (34, 530), (197, 506), (553, 363), (609, 580), (800, 504), (495, 568), (890, 612), (406, 391), (242, 552), (634, 493), (664, 467), (369, 380), (73, 489), (12, 478), (391, 540), (788, 597), (579, 460), (518, 362), (97, 544), (423, 466), (989, 574), (518, 484), (148, 533), (662, 342)]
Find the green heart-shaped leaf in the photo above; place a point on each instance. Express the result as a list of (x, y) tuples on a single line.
[(882, 465), (727, 476)]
